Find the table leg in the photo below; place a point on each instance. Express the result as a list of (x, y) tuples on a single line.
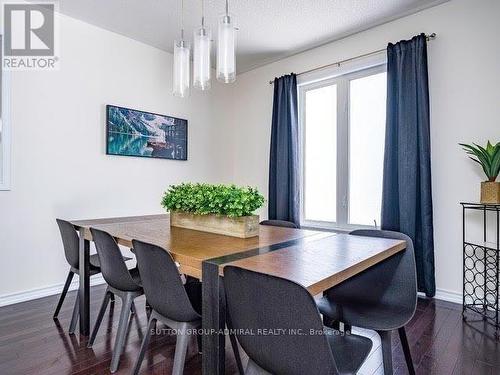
[(84, 287), (213, 320)]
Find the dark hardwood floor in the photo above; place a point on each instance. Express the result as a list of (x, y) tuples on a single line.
[(31, 342)]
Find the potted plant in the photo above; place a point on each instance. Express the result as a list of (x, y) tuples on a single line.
[(222, 209), (489, 159)]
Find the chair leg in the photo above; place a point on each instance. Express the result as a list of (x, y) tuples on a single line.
[(132, 308), (100, 315), (75, 316), (149, 309), (144, 346), (180, 350), (69, 278), (199, 343), (121, 333), (234, 345), (406, 350), (112, 297), (236, 352), (385, 337)]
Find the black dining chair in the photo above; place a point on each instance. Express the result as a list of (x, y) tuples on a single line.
[(278, 325), (382, 298), (122, 282), (70, 240), (172, 303), (279, 223)]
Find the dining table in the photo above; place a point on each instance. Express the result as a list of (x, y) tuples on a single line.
[(317, 260)]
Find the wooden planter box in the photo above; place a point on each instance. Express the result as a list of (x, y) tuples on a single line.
[(242, 227), (490, 192)]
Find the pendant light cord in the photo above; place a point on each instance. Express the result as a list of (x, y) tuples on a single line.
[(202, 14), (182, 20), (227, 7)]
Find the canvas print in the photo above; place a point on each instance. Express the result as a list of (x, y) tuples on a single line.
[(136, 133)]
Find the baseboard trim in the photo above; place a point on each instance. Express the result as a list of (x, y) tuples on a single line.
[(446, 295), (450, 296), (10, 299)]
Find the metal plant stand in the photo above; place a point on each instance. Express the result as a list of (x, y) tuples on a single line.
[(481, 266)]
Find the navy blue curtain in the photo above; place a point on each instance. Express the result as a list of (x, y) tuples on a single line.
[(407, 193), (283, 198)]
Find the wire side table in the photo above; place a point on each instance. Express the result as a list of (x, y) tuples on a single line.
[(481, 284)]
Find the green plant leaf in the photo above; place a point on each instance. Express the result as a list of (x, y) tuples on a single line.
[(495, 164), (488, 153), (488, 157), (482, 151), (203, 199), (481, 157), (489, 148)]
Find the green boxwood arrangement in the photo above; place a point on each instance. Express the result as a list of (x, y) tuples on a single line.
[(204, 199)]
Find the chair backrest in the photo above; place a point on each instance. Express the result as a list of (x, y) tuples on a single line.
[(70, 240), (279, 223), (162, 283), (113, 267), (393, 281), (258, 302)]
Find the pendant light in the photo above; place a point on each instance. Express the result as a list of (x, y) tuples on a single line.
[(182, 63), (226, 61), (201, 55)]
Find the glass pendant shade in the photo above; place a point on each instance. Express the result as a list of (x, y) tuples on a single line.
[(181, 68), (226, 60), (201, 58)]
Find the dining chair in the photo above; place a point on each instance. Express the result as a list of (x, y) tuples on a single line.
[(70, 240), (122, 282), (382, 298), (278, 325), (279, 223), (172, 303)]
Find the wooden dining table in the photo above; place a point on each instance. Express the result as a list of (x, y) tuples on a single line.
[(317, 260)]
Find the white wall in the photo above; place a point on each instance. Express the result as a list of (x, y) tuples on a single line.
[(59, 166), (464, 64)]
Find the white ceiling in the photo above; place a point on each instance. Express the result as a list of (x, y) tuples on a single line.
[(268, 29)]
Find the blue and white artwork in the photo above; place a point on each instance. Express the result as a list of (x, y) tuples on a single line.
[(136, 133)]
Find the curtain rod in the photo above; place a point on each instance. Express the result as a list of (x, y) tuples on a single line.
[(338, 63)]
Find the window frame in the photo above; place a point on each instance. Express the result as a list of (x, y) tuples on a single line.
[(5, 172), (341, 77)]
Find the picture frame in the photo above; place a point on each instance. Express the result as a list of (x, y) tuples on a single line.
[(132, 132)]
